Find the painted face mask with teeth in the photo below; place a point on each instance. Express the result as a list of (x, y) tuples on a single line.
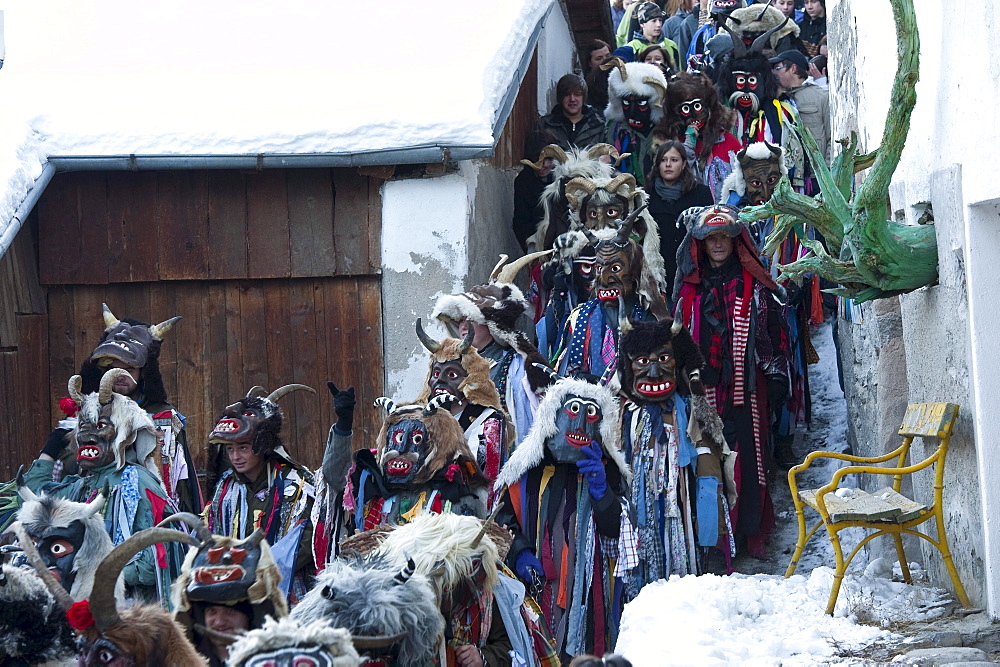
[(655, 374), (406, 452), (95, 441), (578, 424)]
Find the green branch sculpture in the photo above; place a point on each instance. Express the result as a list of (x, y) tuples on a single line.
[(868, 256)]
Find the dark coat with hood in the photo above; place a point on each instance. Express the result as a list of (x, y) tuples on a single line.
[(587, 132)]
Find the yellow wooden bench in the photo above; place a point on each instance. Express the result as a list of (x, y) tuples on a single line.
[(886, 511)]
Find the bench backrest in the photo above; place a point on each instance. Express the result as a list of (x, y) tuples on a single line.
[(933, 420)]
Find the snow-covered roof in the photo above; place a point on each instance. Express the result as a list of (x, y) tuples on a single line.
[(301, 77)]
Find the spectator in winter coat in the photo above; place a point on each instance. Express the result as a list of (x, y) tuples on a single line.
[(812, 27), (682, 24), (812, 102), (646, 26), (573, 122), (673, 188), (595, 54), (528, 186)]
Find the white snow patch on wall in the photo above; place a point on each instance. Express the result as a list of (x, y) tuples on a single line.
[(556, 57)]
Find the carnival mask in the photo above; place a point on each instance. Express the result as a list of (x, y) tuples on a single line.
[(724, 7), (745, 98), (58, 550), (693, 112), (128, 343), (578, 423), (406, 449), (101, 652), (446, 378), (600, 214), (638, 112), (224, 574), (615, 277), (239, 422), (292, 656), (655, 373), (761, 176), (95, 440)]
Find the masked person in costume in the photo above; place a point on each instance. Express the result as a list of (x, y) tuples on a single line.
[(672, 439), (635, 105), (565, 487), (117, 447), (289, 642), (727, 302), (263, 487), (492, 312), (626, 285), (718, 11), (458, 370), (135, 347), (568, 278), (226, 587)]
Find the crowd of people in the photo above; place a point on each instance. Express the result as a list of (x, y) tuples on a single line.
[(544, 474)]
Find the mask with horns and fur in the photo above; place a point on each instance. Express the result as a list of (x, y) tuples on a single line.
[(635, 94), (457, 369)]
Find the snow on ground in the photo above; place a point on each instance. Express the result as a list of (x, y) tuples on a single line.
[(761, 618)]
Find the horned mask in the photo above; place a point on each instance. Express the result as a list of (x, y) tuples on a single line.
[(128, 343)]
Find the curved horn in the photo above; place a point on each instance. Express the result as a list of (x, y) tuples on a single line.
[(548, 371), (364, 642), (439, 401), (193, 522), (102, 597), (109, 318), (287, 389), (386, 404), (108, 383), (505, 274), (625, 231), (553, 151), (160, 330), (428, 342), (739, 47), (742, 154), (60, 594), (761, 42), (496, 269), (256, 391), (656, 83), (253, 540), (466, 342), (75, 387), (575, 185), (27, 495), (775, 150), (619, 180), (404, 575), (486, 524), (616, 63), (97, 504), (678, 324)]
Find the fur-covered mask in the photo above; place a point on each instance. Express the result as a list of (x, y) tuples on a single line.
[(255, 419), (635, 94), (475, 387), (111, 427), (656, 360), (128, 343), (290, 643), (578, 424), (761, 171), (721, 9), (759, 27), (417, 442)]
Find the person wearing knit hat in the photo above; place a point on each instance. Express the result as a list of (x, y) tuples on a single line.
[(724, 293), (492, 311), (645, 28)]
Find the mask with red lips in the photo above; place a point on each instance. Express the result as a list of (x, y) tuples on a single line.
[(693, 113), (578, 423), (446, 377), (615, 270), (95, 441), (223, 573), (406, 450), (638, 112), (654, 374), (760, 176), (745, 97)]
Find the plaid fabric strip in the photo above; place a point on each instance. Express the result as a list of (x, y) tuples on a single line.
[(608, 355)]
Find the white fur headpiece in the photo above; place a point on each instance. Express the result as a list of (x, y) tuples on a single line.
[(736, 182), (641, 79), (290, 632)]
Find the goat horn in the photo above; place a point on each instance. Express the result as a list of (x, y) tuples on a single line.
[(597, 150), (287, 389), (386, 404), (428, 342), (256, 391), (255, 538), (160, 330), (193, 522), (496, 269), (616, 63), (582, 183), (75, 387), (108, 383), (364, 642), (506, 273), (775, 150), (404, 575), (739, 47), (102, 597), (548, 371), (60, 594), (27, 495), (467, 341), (553, 151), (619, 180), (625, 231), (760, 43), (656, 83), (678, 324), (439, 401), (109, 318), (486, 524), (97, 504)]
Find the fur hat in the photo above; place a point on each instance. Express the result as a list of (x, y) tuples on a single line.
[(644, 337), (757, 151), (289, 632), (477, 387), (641, 79), (755, 20), (497, 305)]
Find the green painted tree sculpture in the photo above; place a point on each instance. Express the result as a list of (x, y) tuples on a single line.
[(868, 256)]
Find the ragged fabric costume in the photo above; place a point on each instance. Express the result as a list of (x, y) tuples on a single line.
[(733, 315), (278, 501), (672, 439), (564, 502), (635, 105), (116, 443)]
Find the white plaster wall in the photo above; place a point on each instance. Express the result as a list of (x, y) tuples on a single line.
[(424, 253), (556, 57)]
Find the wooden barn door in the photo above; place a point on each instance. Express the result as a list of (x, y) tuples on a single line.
[(275, 273)]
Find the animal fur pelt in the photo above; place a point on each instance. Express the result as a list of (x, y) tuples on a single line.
[(288, 633), (477, 387), (756, 21), (133, 426), (579, 162), (33, 628), (441, 547), (40, 514), (641, 79), (365, 597), (531, 451), (735, 182)]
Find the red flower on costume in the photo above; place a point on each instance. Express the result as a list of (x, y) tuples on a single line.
[(453, 470), (79, 615), (68, 406)]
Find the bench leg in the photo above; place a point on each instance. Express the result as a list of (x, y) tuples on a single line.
[(948, 563), (800, 544), (904, 565), (838, 575)]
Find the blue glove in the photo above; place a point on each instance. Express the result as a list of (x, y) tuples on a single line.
[(527, 566), (593, 468)]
